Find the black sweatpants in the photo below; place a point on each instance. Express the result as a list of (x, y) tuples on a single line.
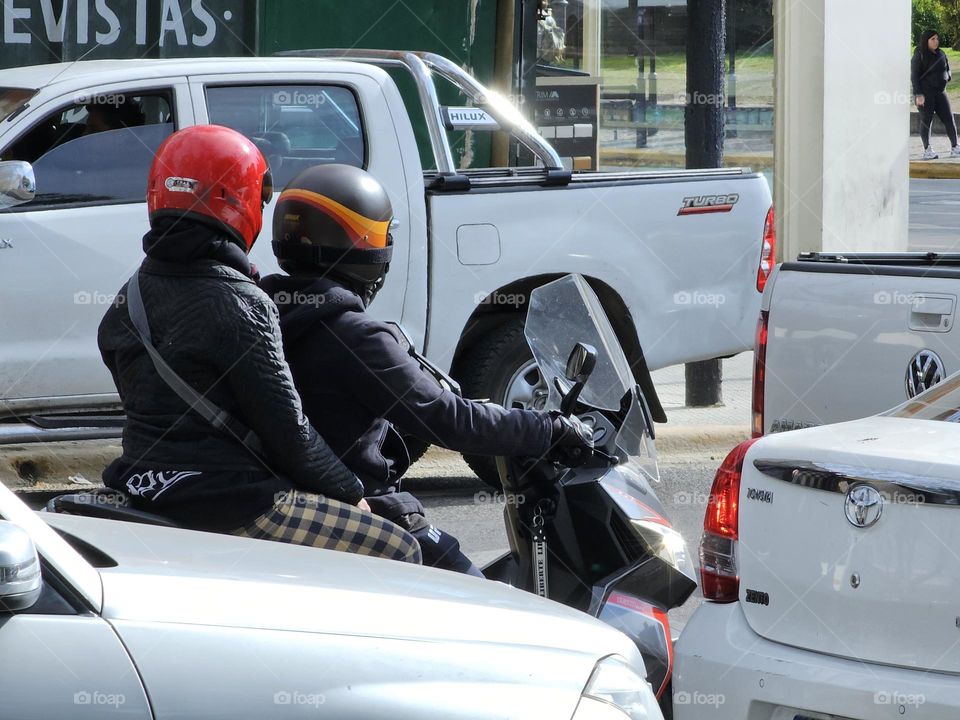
[(939, 104)]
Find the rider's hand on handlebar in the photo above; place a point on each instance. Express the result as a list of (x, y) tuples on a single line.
[(572, 441)]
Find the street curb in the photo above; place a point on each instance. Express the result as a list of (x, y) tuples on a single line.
[(698, 441), (64, 466), (627, 157), (630, 157), (935, 170)]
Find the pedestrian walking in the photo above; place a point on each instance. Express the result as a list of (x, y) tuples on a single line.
[(930, 73)]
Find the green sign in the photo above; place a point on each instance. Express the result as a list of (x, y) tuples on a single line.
[(39, 31)]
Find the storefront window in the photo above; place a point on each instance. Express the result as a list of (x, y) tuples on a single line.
[(636, 49)]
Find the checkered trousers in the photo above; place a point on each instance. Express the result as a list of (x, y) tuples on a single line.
[(316, 521)]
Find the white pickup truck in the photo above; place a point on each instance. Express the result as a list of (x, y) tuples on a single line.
[(676, 257), (842, 337)]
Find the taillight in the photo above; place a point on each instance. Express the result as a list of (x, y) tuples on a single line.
[(719, 577), (768, 254), (759, 372)]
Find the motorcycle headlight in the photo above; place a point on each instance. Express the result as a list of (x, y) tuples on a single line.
[(667, 544), (617, 692)]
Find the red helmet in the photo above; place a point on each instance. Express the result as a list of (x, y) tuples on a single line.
[(211, 173)]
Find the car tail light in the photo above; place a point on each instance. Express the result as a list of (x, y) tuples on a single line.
[(719, 577), (768, 254), (759, 372)]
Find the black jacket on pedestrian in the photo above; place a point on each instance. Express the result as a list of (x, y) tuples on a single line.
[(219, 332), (357, 382), (929, 71)]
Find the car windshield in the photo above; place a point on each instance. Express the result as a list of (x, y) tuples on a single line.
[(13, 98), (941, 402)]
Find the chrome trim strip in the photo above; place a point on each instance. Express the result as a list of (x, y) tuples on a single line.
[(895, 487)]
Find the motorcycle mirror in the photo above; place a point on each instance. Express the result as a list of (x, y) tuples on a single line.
[(582, 361)]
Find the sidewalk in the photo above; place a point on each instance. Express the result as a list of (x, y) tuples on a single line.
[(698, 433), (945, 167)]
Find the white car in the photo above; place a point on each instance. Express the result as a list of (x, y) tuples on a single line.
[(831, 569), (101, 618)]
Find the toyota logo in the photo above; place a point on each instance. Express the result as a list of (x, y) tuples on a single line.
[(924, 371), (863, 506)]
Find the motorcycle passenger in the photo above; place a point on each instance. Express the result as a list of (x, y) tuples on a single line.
[(263, 471), (360, 387)]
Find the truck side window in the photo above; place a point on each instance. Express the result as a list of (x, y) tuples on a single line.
[(97, 150), (295, 126)]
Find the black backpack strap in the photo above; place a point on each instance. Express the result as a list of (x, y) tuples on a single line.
[(219, 418)]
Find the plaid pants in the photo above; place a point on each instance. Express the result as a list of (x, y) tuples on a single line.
[(313, 520)]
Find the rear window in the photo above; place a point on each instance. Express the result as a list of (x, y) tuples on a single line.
[(295, 126), (13, 98), (941, 402)]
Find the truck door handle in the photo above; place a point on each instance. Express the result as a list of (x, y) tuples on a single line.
[(932, 313)]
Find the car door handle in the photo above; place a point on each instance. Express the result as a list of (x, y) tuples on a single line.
[(932, 313)]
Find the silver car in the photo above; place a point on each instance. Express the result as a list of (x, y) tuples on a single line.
[(102, 619)]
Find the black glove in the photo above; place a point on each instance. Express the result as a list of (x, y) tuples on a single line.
[(572, 441)]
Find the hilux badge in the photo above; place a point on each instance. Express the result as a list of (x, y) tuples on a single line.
[(863, 506)]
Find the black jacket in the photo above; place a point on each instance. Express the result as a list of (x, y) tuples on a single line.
[(929, 72), (356, 380), (220, 333)]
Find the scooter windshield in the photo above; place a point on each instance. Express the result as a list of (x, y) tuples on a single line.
[(562, 313)]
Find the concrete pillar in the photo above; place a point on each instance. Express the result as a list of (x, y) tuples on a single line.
[(592, 22), (842, 93)]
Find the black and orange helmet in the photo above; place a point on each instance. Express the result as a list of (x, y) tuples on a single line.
[(335, 219)]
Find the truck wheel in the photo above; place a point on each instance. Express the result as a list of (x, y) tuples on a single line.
[(501, 367)]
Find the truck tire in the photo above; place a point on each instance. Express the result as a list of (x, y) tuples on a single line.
[(500, 362)]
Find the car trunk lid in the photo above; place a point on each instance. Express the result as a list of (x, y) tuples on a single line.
[(849, 541)]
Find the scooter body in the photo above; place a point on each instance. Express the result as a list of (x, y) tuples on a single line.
[(595, 537)]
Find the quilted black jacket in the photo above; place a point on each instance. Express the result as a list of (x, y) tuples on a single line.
[(221, 334), (357, 383)]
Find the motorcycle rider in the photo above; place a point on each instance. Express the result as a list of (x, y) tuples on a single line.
[(359, 386), (264, 471)]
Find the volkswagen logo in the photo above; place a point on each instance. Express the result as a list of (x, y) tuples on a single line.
[(924, 371), (863, 506)]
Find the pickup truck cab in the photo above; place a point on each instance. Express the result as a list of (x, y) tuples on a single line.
[(842, 337), (675, 257)]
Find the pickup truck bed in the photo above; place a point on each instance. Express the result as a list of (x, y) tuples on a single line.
[(852, 336)]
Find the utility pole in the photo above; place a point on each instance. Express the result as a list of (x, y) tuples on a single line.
[(703, 133)]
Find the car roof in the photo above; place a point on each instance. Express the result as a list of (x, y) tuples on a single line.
[(40, 76)]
